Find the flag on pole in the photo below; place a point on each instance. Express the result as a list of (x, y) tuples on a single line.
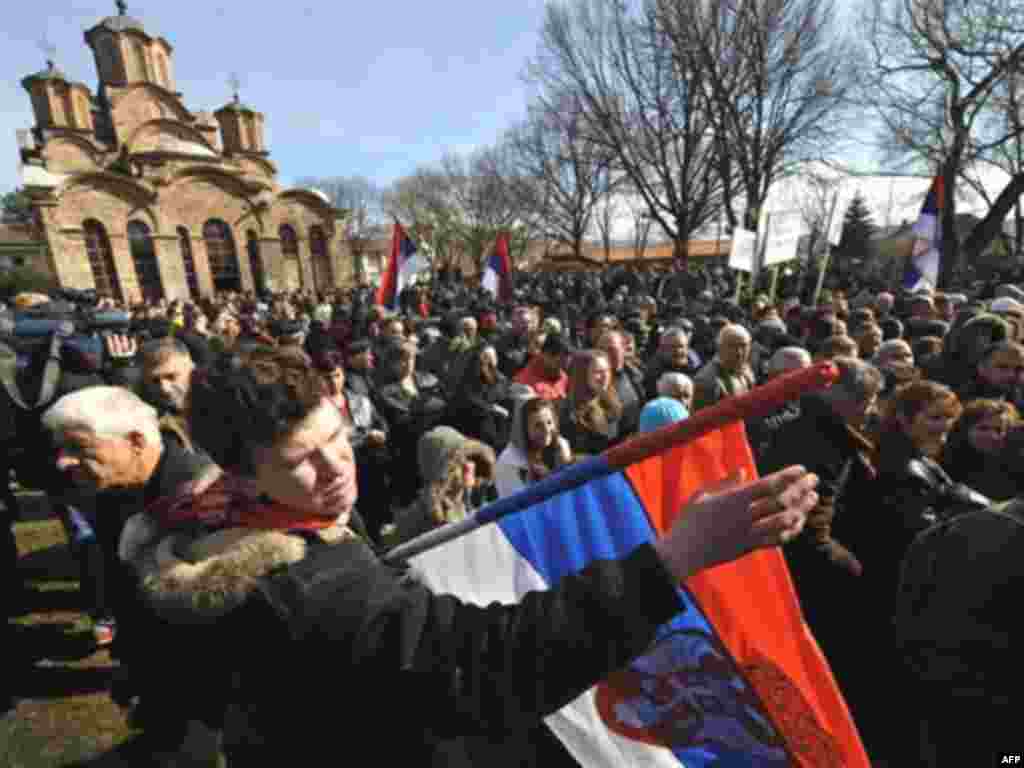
[(497, 278), (403, 266), (734, 680), (923, 265)]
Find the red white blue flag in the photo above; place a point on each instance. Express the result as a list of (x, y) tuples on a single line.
[(734, 680), (497, 279), (403, 266), (923, 265)]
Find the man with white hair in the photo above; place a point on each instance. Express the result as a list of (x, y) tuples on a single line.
[(762, 431), (729, 373), (678, 386), (674, 354), (895, 359), (109, 440)]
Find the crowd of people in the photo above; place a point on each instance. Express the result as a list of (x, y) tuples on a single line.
[(243, 462)]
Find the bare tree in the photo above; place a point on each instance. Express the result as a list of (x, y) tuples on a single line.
[(606, 215), (561, 172), (485, 196), (779, 78), (361, 199), (646, 106), (936, 70), (817, 206)]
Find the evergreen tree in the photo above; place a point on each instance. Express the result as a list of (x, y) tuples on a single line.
[(858, 227)]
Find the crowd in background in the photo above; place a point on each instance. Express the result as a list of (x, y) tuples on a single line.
[(451, 401)]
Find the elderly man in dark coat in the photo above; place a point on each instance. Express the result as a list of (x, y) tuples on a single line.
[(828, 440)]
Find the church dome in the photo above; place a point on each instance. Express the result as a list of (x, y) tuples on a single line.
[(121, 23), (50, 73)]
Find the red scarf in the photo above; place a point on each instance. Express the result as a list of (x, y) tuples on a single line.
[(226, 504)]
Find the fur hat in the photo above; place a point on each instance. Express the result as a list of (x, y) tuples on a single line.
[(441, 446)]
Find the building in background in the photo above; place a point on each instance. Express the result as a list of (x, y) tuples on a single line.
[(140, 197)]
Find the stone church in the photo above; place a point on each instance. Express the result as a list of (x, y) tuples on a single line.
[(142, 198)]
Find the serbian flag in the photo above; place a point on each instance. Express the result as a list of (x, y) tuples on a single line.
[(403, 267), (497, 278), (735, 680), (923, 265)]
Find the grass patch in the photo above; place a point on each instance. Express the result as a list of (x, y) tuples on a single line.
[(64, 715)]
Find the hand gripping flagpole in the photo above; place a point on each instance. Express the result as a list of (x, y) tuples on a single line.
[(758, 402)]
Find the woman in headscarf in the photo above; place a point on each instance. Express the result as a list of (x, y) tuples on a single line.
[(535, 448)]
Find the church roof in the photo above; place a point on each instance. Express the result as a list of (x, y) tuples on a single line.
[(121, 23), (236, 106), (50, 73)]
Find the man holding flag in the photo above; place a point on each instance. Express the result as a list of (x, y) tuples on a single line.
[(403, 266), (305, 635)]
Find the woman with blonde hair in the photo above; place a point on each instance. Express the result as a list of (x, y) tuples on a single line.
[(589, 416)]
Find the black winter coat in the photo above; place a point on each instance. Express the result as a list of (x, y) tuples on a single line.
[(339, 655)]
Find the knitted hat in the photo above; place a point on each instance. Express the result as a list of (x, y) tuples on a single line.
[(660, 412)]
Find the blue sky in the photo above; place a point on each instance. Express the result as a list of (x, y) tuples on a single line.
[(373, 87)]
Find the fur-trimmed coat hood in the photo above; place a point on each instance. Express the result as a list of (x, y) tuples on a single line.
[(441, 453), (189, 579)]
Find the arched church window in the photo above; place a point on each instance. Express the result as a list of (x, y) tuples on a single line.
[(142, 62), (188, 261), (290, 250), (101, 260), (252, 245), (109, 58), (147, 271), (220, 250), (320, 254), (161, 70)]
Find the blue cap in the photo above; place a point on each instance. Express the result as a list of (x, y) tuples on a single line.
[(660, 412)]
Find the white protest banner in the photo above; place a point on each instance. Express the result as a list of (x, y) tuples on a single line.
[(743, 254), (782, 237), (836, 217)]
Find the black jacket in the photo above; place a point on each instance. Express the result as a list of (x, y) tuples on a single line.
[(365, 419), (339, 643), (912, 492)]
